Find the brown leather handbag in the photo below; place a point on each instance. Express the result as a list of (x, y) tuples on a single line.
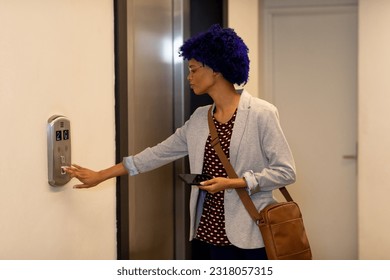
[(281, 224)]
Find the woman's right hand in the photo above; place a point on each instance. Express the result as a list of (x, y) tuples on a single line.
[(87, 177), (90, 178)]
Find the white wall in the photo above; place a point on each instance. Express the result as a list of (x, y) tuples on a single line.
[(374, 129), (244, 18), (56, 57)]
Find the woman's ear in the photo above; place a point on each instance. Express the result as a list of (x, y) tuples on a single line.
[(217, 74)]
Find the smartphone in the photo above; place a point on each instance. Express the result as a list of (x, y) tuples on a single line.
[(195, 179)]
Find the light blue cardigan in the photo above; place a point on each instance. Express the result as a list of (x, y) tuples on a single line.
[(259, 152)]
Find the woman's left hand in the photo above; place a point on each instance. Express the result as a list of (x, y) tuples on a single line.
[(220, 183)]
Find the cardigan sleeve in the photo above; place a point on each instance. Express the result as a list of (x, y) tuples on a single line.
[(276, 156), (169, 150)]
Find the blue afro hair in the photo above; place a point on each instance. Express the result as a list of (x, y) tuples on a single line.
[(222, 50)]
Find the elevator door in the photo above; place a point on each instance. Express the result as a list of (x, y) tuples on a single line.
[(150, 95)]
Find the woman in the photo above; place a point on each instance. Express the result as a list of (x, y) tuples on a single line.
[(250, 136)]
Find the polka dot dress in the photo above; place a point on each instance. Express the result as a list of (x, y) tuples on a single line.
[(212, 222)]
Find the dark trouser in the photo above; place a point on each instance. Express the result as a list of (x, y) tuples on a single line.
[(204, 251)]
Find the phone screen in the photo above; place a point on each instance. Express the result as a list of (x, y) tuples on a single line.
[(195, 179)]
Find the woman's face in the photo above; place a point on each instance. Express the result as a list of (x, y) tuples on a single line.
[(201, 77)]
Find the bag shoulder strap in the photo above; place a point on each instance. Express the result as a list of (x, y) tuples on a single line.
[(244, 196)]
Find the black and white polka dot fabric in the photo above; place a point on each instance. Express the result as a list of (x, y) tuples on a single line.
[(212, 222)]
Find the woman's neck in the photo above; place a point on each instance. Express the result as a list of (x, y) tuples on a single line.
[(226, 101)]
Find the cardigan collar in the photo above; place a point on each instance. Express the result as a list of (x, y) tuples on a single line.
[(245, 100), (239, 124)]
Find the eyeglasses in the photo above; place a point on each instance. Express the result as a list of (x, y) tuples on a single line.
[(192, 70)]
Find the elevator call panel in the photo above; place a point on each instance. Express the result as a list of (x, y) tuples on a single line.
[(58, 150)]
